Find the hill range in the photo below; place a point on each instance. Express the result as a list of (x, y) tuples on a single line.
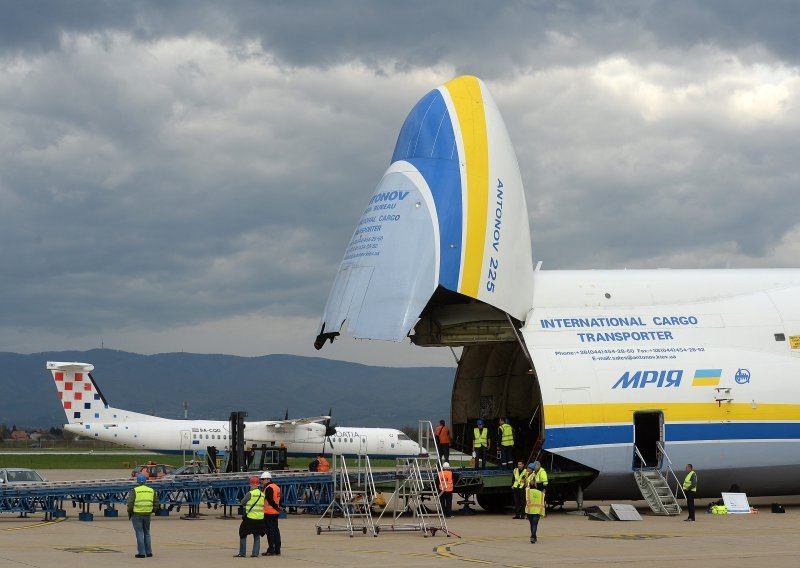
[(215, 385)]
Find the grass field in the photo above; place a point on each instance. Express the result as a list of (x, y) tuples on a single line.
[(63, 461)]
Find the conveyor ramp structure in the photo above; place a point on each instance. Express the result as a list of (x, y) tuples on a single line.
[(299, 490)]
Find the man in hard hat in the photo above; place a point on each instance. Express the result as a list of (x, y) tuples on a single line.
[(446, 489), (534, 506), (272, 499), (480, 444), (252, 519), (142, 502)]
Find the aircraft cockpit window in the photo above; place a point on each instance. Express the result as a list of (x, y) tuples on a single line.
[(402, 436)]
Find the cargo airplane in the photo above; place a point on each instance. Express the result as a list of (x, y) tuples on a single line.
[(591, 366), (89, 415)]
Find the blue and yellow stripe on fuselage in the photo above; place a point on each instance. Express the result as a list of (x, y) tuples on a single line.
[(586, 432)]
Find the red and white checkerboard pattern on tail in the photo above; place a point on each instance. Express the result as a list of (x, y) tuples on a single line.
[(79, 395)]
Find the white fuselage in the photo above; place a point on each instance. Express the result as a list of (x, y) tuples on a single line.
[(716, 351), (170, 436)]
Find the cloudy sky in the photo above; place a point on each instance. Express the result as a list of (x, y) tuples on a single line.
[(186, 175)]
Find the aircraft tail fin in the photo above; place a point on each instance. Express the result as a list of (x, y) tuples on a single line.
[(82, 399)]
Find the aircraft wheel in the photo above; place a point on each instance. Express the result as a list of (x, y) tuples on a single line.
[(319, 530), (364, 530)]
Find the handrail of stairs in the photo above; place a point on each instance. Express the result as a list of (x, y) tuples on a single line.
[(678, 485)]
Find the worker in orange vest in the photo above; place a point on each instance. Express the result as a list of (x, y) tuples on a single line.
[(443, 441), (272, 500), (323, 464), (446, 489)]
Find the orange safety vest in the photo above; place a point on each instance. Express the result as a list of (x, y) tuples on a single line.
[(323, 464), (443, 434), (446, 480), (276, 496)]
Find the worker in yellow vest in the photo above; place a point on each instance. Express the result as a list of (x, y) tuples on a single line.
[(518, 489), (539, 476), (272, 500), (142, 502), (506, 444), (252, 520), (480, 444), (689, 489), (534, 508)]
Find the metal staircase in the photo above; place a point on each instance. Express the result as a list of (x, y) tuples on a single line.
[(654, 484), (416, 491), (353, 494)]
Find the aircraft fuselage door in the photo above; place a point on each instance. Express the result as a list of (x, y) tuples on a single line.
[(648, 434), (362, 446), (186, 440)]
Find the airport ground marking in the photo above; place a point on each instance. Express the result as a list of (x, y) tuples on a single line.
[(33, 526), (89, 550), (446, 551)]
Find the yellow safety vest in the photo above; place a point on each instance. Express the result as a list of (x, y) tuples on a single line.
[(688, 482), (520, 477), (143, 500), (480, 438), (506, 435), (540, 477), (255, 506), (534, 502)]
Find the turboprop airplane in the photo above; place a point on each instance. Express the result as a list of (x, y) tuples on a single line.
[(601, 372), (89, 415)]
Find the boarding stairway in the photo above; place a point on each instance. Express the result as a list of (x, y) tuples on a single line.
[(353, 495), (654, 483), (416, 492)]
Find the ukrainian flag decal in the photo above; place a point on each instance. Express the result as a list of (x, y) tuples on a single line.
[(706, 377)]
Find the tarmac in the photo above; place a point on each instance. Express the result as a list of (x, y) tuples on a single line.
[(565, 539)]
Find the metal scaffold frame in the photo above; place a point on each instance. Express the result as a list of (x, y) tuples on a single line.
[(416, 488), (353, 495), (299, 490)]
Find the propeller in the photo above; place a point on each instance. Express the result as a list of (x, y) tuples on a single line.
[(329, 431), (286, 415)]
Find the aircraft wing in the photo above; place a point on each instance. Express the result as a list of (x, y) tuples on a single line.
[(294, 422)]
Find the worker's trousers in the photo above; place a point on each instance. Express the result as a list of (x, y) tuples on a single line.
[(243, 545), (273, 534), (480, 457), (519, 502), (141, 526), (507, 456), (534, 521)]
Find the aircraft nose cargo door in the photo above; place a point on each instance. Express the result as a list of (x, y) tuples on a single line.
[(445, 234)]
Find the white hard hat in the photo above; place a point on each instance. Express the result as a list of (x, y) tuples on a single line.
[(446, 465), (266, 475)]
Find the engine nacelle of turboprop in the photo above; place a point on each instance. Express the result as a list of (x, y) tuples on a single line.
[(449, 214)]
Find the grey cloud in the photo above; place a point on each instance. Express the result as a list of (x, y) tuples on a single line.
[(169, 168)]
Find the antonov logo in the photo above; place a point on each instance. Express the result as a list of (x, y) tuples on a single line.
[(659, 379)]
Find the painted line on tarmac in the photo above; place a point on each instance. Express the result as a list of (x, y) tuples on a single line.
[(446, 551), (33, 526)]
